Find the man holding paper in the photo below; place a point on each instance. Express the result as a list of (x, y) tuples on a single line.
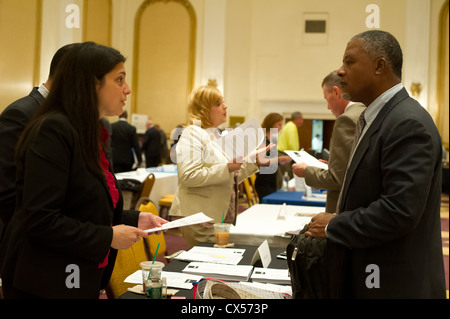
[(347, 114)]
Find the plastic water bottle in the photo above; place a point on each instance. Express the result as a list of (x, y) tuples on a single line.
[(285, 181)]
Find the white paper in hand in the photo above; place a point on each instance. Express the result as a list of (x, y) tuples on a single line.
[(304, 157), (186, 221), (242, 141)]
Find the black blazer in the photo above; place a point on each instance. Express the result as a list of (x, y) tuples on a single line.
[(13, 121), (152, 146), (123, 139), (391, 205), (63, 218)]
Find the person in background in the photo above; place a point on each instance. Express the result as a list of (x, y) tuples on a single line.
[(151, 145), (174, 137), (164, 148), (207, 180), (13, 121), (63, 238), (317, 144), (347, 114), (388, 212), (288, 140), (123, 141), (266, 184)]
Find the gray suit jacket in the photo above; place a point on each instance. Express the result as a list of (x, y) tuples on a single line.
[(390, 209), (340, 147)]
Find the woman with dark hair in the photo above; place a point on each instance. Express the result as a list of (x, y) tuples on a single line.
[(63, 238), (266, 183)]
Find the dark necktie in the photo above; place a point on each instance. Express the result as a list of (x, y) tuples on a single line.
[(358, 130)]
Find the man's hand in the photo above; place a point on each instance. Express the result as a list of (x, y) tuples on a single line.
[(299, 169), (316, 227)]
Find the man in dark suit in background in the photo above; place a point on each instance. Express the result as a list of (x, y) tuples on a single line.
[(388, 212), (123, 141), (13, 121), (152, 145)]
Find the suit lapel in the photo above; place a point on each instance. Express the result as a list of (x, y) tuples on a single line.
[(365, 140)]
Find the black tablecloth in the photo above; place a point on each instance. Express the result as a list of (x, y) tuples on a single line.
[(178, 266)]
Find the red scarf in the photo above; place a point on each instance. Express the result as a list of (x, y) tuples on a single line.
[(109, 180)]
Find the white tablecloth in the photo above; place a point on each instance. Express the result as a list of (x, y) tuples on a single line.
[(165, 182), (261, 221)]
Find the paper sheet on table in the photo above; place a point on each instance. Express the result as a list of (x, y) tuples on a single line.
[(304, 157), (174, 279), (230, 256), (186, 221), (222, 272), (242, 141), (271, 275), (284, 289)]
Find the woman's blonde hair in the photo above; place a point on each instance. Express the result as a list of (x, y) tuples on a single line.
[(200, 102)]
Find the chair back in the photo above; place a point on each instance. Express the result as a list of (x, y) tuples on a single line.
[(144, 204), (251, 198), (252, 182), (147, 186), (127, 262)]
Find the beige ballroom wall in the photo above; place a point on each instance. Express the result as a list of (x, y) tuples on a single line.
[(20, 48), (97, 21), (270, 64), (162, 70), (267, 63)]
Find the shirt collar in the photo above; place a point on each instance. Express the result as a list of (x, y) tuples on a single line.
[(43, 90), (375, 107)]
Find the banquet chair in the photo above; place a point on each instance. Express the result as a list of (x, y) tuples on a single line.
[(144, 204), (127, 262), (252, 181), (164, 204), (251, 194), (147, 185)]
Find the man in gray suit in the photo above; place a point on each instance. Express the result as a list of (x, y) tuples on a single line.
[(389, 208), (347, 114)]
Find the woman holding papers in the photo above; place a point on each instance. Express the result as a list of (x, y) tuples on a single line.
[(206, 178), (62, 240)]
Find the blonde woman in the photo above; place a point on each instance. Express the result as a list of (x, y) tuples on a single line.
[(205, 176)]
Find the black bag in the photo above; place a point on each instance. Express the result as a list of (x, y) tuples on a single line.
[(129, 184), (317, 268)]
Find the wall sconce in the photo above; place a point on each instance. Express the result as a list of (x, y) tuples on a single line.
[(212, 82), (416, 89)]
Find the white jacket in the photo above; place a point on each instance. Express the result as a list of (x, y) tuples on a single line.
[(204, 182)]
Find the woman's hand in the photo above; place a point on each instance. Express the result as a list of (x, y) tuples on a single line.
[(235, 165), (148, 220), (125, 236), (261, 158)]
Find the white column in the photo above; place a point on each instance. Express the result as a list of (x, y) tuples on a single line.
[(214, 42), (55, 32), (417, 46)]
